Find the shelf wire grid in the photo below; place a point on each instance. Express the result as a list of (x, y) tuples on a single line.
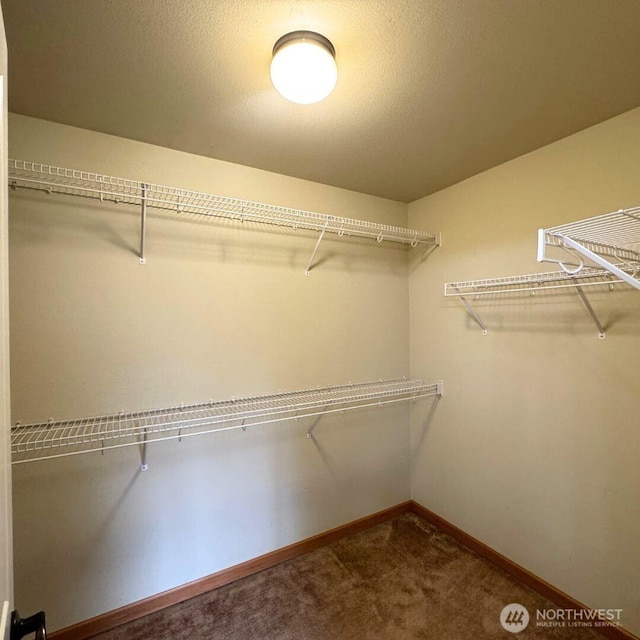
[(74, 182), (535, 282), (39, 441), (615, 234)]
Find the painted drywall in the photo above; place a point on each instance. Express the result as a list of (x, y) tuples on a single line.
[(535, 452), (220, 310), (6, 550)]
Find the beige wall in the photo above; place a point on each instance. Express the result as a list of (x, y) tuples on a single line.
[(534, 449), (218, 311), (535, 452), (6, 555)]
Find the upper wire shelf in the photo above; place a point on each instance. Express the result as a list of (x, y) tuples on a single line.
[(121, 190), (611, 241), (54, 439)]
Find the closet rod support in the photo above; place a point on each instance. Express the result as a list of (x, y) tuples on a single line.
[(472, 312), (143, 452), (315, 422), (437, 243), (592, 313), (600, 261), (315, 250), (143, 223)]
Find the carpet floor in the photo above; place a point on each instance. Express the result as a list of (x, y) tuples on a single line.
[(401, 580)]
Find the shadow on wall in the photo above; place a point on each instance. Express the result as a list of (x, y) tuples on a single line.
[(561, 312), (352, 465), (423, 417), (66, 220), (116, 535)]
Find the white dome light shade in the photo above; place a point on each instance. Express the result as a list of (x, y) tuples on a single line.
[(303, 69)]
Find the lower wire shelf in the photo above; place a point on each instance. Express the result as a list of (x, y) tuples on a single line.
[(55, 439), (534, 283)]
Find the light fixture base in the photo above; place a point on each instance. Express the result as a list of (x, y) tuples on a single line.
[(303, 35)]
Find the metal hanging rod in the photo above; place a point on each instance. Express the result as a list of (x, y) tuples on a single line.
[(537, 283), (42, 177), (54, 439), (611, 241)]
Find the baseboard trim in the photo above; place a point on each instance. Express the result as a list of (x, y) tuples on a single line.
[(112, 619), (521, 574)]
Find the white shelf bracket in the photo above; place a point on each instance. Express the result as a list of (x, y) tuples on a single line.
[(143, 451), (315, 249), (592, 313), (472, 312), (143, 223), (599, 260), (315, 423), (437, 243)]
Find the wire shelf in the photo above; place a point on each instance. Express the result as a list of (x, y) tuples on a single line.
[(30, 442), (535, 282), (52, 179), (611, 241)]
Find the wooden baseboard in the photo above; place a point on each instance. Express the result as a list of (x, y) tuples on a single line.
[(523, 576), (107, 621)]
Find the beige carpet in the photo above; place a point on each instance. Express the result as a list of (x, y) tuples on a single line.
[(402, 580)]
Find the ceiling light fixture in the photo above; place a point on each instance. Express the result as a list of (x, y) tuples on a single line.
[(303, 69)]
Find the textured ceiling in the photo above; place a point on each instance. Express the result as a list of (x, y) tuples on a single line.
[(429, 92)]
